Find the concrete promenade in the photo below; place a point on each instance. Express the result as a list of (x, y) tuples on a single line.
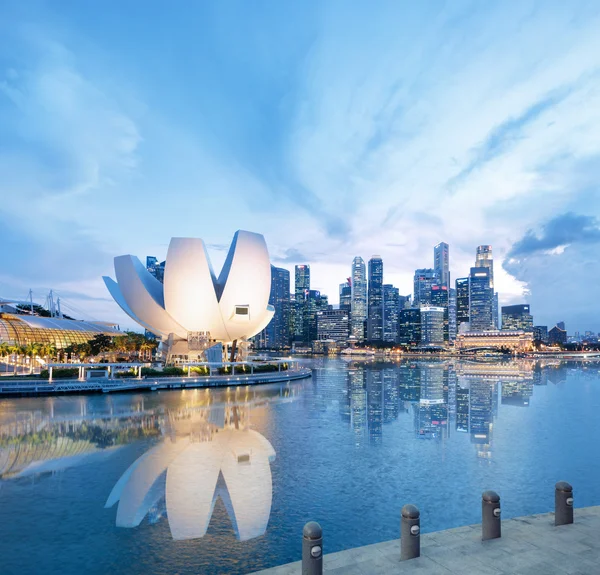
[(529, 545), (25, 387)]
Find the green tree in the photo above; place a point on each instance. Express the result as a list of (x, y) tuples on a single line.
[(100, 343)]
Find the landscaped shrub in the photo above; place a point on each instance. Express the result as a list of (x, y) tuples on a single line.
[(173, 372), (226, 370), (61, 373), (199, 370), (265, 367), (128, 373)]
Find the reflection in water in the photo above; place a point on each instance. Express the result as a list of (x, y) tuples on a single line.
[(206, 450), (207, 453), (441, 395)]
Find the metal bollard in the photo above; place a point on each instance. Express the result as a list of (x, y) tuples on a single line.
[(410, 533), (563, 503), (490, 515), (312, 549)]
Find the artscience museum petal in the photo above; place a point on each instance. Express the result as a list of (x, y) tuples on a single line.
[(193, 305)]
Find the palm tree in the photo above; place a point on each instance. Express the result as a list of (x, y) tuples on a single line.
[(4, 350), (15, 351), (47, 350), (32, 350)]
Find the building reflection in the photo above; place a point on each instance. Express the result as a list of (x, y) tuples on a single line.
[(203, 448), (464, 396)]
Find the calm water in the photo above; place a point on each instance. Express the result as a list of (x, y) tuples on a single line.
[(222, 481)]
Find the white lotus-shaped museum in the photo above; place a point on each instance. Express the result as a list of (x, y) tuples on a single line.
[(234, 306)]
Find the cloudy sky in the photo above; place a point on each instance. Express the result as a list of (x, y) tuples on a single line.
[(334, 128)]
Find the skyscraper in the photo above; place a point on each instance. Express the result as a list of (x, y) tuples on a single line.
[(424, 279), (441, 263), (359, 298), (301, 289), (483, 259), (517, 317), (278, 331), (462, 302), (314, 302), (375, 307), (333, 324), (440, 297), (452, 314), (481, 299), (391, 309), (346, 295), (409, 327), (156, 269), (432, 325)]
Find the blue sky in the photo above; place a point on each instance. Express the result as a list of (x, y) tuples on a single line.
[(336, 129)]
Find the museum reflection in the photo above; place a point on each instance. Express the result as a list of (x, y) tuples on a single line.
[(202, 446), (441, 397)]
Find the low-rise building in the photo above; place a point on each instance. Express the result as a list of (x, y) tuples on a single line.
[(513, 340)]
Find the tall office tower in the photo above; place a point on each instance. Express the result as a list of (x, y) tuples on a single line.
[(483, 259), (517, 317), (441, 263), (462, 405), (391, 309), (432, 325), (481, 299), (314, 303), (462, 303), (277, 333), (452, 315), (409, 327), (346, 295), (375, 307), (301, 289), (358, 314), (156, 269), (424, 279), (495, 310), (440, 297), (561, 325)]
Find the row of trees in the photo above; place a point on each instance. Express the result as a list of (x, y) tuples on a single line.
[(130, 345)]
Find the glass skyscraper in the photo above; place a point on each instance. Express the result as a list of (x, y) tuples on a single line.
[(359, 298), (277, 333), (481, 299), (432, 325), (375, 308), (301, 289), (462, 302), (391, 309), (424, 279), (484, 259), (440, 297), (441, 263), (346, 295), (409, 327)]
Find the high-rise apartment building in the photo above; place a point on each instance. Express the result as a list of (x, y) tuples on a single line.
[(346, 295), (424, 279), (375, 300), (517, 317), (391, 309), (481, 299), (432, 325), (462, 302), (441, 263), (301, 289), (358, 315)]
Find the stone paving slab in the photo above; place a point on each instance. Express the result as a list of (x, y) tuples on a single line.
[(529, 546)]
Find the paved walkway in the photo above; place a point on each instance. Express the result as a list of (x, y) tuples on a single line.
[(529, 545)]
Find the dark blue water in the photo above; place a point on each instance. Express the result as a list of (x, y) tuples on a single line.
[(347, 448)]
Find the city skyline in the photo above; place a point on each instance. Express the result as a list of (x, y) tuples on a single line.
[(336, 133)]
